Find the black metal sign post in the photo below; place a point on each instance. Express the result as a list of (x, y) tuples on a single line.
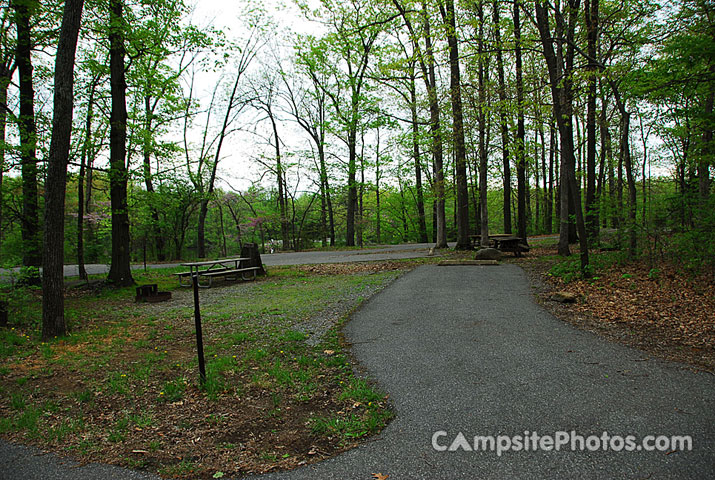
[(197, 321)]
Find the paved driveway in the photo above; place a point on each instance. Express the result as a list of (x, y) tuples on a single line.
[(465, 350)]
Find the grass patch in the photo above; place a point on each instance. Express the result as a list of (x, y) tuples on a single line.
[(130, 372)]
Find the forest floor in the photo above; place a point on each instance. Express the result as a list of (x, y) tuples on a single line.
[(661, 309), (281, 389)]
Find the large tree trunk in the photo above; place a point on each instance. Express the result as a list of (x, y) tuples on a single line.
[(519, 153), (120, 273), (53, 317), (504, 124), (460, 153), (30, 228)]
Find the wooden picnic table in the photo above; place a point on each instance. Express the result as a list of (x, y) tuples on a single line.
[(476, 239), (229, 268), (506, 242)]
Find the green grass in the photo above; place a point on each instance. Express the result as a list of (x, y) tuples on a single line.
[(132, 360)]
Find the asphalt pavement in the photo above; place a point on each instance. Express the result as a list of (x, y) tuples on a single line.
[(466, 350), (367, 254)]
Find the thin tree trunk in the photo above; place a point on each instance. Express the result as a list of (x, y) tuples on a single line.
[(120, 273), (80, 181), (592, 37), (549, 222), (519, 153), (53, 317), (504, 124), (156, 231), (204, 205), (5, 78), (483, 154), (418, 165), (437, 158), (378, 219)]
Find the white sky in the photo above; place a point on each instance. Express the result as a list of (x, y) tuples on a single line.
[(236, 167)]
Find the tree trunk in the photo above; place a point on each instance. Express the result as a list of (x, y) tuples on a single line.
[(328, 201), (549, 220), (352, 187), (705, 159), (560, 69), (504, 124), (5, 78), (203, 207), (431, 84), (628, 165), (80, 181), (418, 165), (156, 230), (462, 211), (519, 142), (378, 219), (53, 318), (120, 273), (592, 37), (30, 227), (481, 115)]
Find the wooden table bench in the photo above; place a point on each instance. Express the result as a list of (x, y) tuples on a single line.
[(511, 244), (228, 268)]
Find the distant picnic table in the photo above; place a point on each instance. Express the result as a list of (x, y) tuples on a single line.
[(504, 242), (227, 268)]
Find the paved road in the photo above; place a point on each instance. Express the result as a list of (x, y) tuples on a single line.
[(466, 349), (382, 252)]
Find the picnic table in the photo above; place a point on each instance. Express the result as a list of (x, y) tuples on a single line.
[(228, 268), (504, 242)]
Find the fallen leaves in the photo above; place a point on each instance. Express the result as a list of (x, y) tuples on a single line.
[(379, 476)]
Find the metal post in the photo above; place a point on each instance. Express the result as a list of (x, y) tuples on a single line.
[(197, 320)]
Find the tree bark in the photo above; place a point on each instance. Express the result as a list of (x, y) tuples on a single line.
[(120, 273), (592, 38), (504, 124), (86, 145), (519, 142), (462, 213), (560, 69), (437, 158), (53, 318), (418, 164), (482, 119), (30, 227)]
